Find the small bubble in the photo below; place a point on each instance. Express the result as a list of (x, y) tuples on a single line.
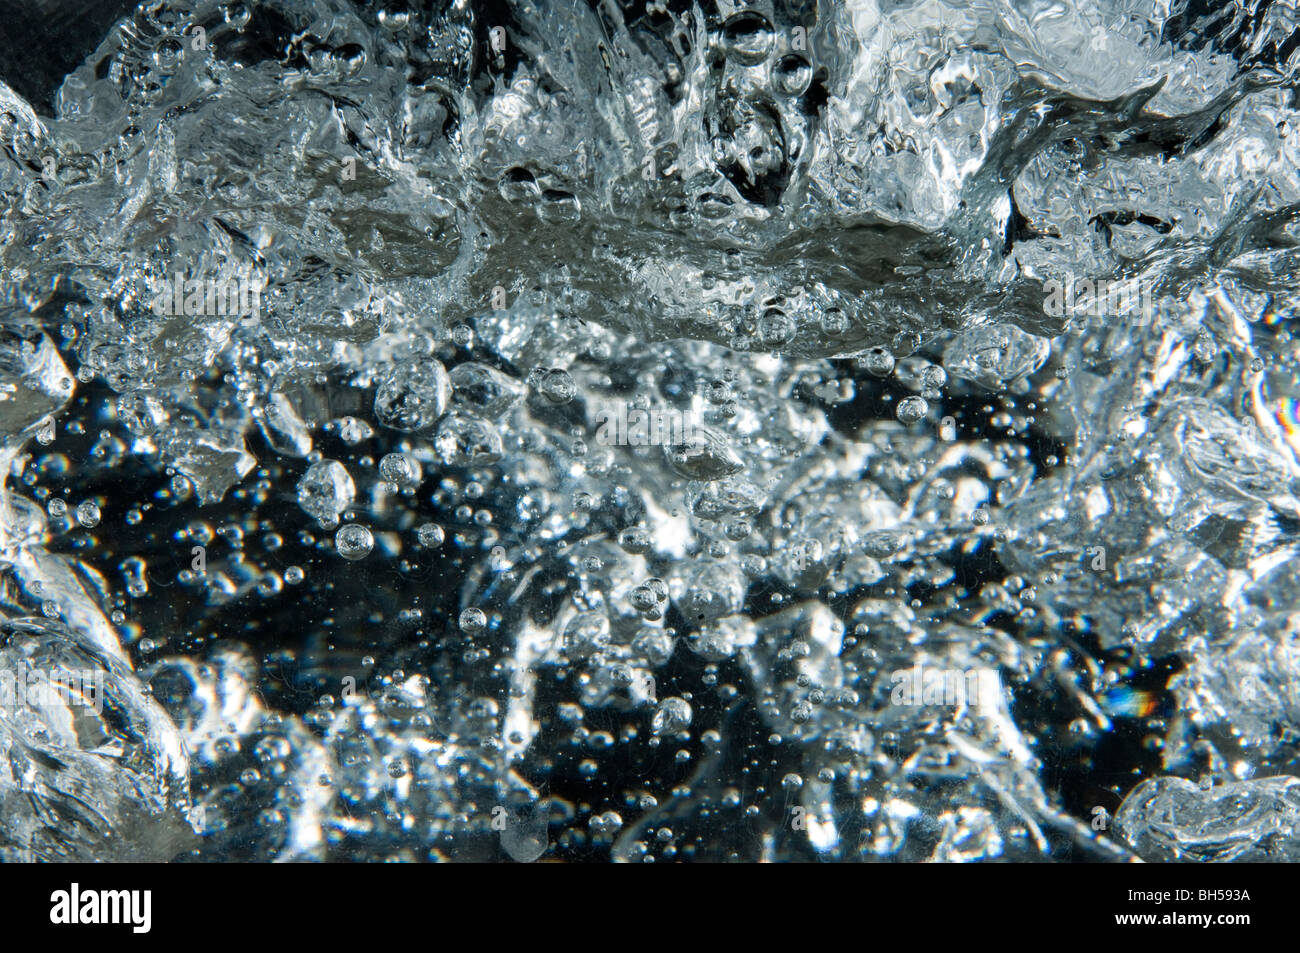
[(473, 621), (635, 540), (911, 409), (518, 185), (792, 75), (747, 37), (672, 715), (394, 20), (934, 377), (718, 392), (878, 362), (354, 541), (431, 535), (401, 470), (558, 386), (775, 328)]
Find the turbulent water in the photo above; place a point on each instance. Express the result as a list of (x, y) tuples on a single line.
[(590, 430)]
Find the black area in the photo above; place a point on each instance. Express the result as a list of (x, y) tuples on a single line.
[(815, 98), (42, 41), (1105, 220), (748, 761), (268, 36), (1101, 772), (1018, 229)]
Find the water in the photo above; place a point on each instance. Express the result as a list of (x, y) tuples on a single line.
[(650, 432)]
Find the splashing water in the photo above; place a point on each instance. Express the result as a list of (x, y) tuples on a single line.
[(625, 431)]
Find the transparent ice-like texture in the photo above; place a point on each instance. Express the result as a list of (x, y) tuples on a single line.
[(614, 431)]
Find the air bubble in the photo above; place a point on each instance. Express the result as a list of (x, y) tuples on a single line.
[(430, 535), (911, 409), (354, 541), (88, 514), (748, 38), (792, 75)]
